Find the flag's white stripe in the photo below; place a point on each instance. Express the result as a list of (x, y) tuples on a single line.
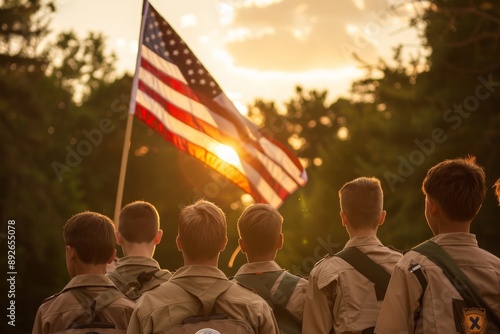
[(203, 140), (187, 104), (200, 111), (159, 62), (277, 171), (275, 151)]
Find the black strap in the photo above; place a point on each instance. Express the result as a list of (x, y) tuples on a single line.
[(457, 277), (262, 284), (367, 267)]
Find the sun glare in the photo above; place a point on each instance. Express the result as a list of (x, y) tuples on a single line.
[(228, 154)]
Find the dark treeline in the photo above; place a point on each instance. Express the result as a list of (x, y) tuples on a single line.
[(60, 157)]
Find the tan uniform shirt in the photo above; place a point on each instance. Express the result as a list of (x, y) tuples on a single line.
[(169, 304), (404, 292), (59, 311), (129, 267), (341, 299), (295, 304)]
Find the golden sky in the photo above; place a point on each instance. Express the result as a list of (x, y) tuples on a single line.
[(258, 48)]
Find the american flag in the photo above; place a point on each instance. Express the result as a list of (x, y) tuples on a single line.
[(177, 97)]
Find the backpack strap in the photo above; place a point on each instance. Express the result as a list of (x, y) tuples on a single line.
[(457, 277), (368, 268), (134, 288), (262, 284), (93, 305), (206, 296)]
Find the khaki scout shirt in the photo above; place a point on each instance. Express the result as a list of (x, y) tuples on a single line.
[(437, 317), (341, 299), (169, 304), (59, 311), (129, 267), (295, 304)]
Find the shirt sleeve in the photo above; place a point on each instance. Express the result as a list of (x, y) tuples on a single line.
[(400, 303), (318, 308)]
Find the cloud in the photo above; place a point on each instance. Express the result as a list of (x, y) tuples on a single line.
[(308, 35)]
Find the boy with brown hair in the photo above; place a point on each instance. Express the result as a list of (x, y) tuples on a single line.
[(341, 296), (138, 232), (422, 297), (199, 296), (260, 231), (90, 246)]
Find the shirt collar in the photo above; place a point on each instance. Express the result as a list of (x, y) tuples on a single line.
[(137, 261), (363, 241), (456, 238), (87, 280), (199, 271), (258, 267)]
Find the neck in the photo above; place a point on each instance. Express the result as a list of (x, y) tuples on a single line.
[(361, 232), (446, 226), (260, 258), (214, 262), (145, 249), (86, 269)]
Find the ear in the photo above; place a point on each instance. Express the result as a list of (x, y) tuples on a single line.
[(70, 252), (344, 218), (158, 237), (178, 242), (432, 206), (119, 238), (382, 217), (281, 240), (112, 258), (243, 245), (223, 245)]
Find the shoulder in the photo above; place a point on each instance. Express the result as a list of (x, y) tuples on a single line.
[(329, 265)]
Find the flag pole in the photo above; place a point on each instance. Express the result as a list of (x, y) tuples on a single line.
[(130, 118)]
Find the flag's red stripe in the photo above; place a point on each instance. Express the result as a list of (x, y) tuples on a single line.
[(215, 133), (199, 153), (168, 80)]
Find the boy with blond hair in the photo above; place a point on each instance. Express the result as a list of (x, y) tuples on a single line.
[(341, 296), (199, 296), (260, 231)]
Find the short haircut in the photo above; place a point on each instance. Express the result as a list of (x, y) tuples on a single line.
[(259, 226), (202, 230), (362, 201), (139, 222), (458, 186), (92, 235), (497, 190)]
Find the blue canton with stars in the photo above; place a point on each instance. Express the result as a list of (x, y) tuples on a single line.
[(162, 39)]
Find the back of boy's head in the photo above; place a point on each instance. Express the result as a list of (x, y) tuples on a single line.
[(260, 226), (92, 235), (202, 230), (139, 222), (362, 201), (458, 186)]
